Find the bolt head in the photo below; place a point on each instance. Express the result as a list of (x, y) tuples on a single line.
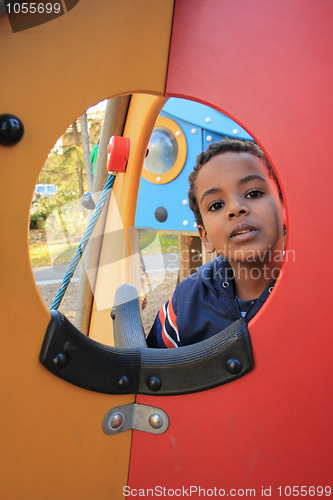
[(60, 360), (154, 383), (156, 421), (234, 366), (124, 382), (116, 421)]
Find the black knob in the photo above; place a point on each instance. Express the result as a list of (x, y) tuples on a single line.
[(60, 360), (161, 214), (124, 382), (234, 366), (154, 383), (11, 130)]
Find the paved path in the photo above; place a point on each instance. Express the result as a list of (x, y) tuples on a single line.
[(49, 275)]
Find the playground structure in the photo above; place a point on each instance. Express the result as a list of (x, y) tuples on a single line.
[(268, 68)]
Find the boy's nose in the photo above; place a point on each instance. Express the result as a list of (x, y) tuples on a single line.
[(237, 212)]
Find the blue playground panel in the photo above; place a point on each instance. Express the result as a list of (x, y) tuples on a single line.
[(201, 125)]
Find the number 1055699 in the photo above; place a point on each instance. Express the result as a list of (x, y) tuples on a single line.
[(302, 491), (33, 8)]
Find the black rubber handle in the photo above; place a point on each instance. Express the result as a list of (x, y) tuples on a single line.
[(127, 324)]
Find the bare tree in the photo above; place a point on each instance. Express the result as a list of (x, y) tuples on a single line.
[(79, 164), (86, 150)]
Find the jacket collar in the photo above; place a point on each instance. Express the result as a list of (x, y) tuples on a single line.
[(218, 276)]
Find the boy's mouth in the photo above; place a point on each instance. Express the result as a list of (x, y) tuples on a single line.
[(243, 231)]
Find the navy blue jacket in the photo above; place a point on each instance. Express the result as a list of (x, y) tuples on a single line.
[(201, 306)]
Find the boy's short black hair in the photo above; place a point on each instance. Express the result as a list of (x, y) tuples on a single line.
[(216, 148)]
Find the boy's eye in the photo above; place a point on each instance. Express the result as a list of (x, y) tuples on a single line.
[(254, 193), (215, 206)]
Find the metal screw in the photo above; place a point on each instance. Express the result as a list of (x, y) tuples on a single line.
[(116, 421), (156, 421)]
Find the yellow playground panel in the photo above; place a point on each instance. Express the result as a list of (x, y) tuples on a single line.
[(50, 75)]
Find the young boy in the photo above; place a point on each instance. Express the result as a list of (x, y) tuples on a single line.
[(238, 207)]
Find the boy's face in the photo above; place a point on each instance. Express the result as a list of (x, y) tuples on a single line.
[(240, 207)]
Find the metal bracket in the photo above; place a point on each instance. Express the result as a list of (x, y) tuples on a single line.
[(135, 416)]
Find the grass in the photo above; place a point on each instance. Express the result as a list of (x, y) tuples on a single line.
[(39, 256), (43, 255), (149, 244)]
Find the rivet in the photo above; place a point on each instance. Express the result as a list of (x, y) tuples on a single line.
[(11, 129), (185, 222), (209, 138), (116, 421), (194, 131), (208, 120), (154, 383), (60, 360), (177, 133), (185, 202), (234, 366), (124, 382), (113, 313), (156, 421), (235, 131), (158, 179)]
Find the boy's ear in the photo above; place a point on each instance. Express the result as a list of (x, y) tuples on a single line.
[(204, 238)]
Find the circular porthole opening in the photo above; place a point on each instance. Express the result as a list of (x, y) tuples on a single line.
[(163, 151), (167, 152)]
